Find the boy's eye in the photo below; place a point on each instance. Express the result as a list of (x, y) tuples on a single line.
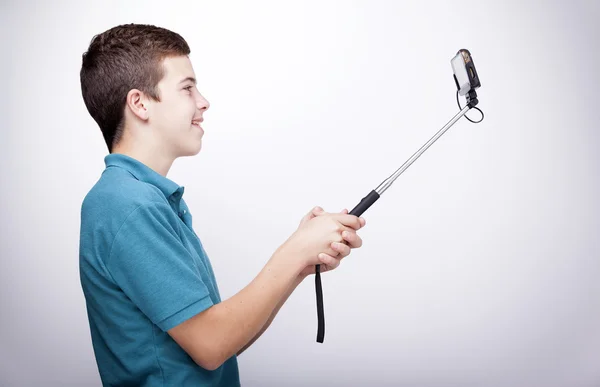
[(188, 88)]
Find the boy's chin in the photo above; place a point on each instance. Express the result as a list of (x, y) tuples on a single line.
[(191, 151)]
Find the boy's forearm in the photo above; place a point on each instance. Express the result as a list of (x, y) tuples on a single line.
[(285, 297), (235, 321)]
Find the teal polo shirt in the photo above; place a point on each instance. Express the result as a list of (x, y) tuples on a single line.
[(143, 271)]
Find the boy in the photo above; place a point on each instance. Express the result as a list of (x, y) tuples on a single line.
[(156, 317)]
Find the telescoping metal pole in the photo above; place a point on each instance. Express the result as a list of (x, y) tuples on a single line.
[(368, 201)]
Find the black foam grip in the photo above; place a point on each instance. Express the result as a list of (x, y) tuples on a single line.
[(365, 203), (360, 208)]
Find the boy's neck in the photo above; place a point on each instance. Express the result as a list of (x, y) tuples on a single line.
[(154, 160)]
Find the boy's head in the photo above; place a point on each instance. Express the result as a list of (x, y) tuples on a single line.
[(139, 86)]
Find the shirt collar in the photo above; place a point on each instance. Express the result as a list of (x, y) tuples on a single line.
[(146, 174)]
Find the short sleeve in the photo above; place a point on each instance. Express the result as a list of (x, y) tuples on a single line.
[(151, 265)]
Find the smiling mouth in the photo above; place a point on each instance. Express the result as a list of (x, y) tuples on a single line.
[(196, 123)]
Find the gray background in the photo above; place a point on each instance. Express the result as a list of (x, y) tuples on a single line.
[(479, 266)]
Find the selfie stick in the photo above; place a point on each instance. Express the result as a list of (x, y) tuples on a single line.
[(466, 86)]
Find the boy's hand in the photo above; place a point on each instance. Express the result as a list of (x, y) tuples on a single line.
[(315, 235), (331, 258)]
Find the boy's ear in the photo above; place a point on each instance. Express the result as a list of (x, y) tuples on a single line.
[(138, 104)]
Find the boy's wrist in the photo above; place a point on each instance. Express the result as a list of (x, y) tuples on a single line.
[(289, 258)]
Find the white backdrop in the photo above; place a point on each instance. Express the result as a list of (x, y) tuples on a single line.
[(479, 265)]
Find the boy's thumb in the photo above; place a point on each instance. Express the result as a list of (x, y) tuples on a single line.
[(317, 210)]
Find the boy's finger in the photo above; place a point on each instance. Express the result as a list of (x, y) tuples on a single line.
[(363, 222), (329, 261), (348, 220), (352, 239), (317, 211), (341, 248), (361, 219)]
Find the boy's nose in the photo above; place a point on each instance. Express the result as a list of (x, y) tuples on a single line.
[(203, 103)]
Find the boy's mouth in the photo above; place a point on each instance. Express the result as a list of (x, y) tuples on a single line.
[(197, 122)]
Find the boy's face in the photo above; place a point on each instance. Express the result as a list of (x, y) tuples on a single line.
[(176, 118)]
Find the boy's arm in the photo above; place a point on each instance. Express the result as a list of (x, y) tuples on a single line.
[(214, 335), (219, 332), (297, 282)]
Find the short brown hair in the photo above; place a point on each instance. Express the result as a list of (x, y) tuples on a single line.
[(122, 58)]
